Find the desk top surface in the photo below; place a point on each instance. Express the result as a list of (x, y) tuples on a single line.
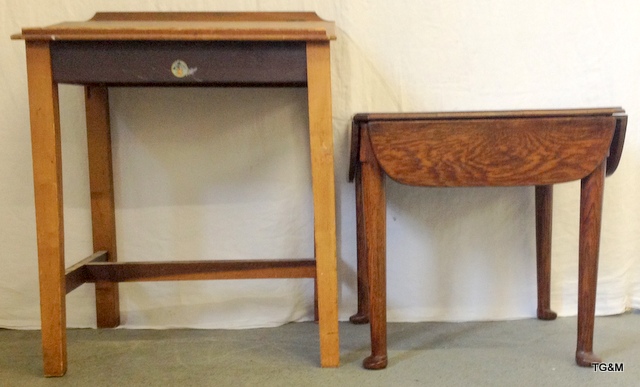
[(190, 26)]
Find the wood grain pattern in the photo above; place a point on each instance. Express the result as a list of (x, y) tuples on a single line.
[(322, 175), (591, 195), (544, 213), (615, 149), (47, 177), (103, 217), (488, 148), (375, 220), (502, 152)]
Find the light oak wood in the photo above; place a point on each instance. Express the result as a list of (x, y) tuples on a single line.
[(47, 177), (103, 218), (54, 51), (322, 175), (185, 26)]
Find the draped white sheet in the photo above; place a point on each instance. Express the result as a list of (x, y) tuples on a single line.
[(224, 173)]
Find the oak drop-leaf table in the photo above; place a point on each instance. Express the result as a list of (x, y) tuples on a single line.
[(516, 148), (170, 49)]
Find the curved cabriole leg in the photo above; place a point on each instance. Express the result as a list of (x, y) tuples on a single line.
[(362, 316), (544, 211), (591, 193), (374, 205)]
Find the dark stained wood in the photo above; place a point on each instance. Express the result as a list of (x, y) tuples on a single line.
[(200, 270), (77, 274), (375, 223), (591, 194), (504, 114), (615, 152), (130, 63), (362, 315), (207, 16), (544, 212), (615, 149), (354, 162), (316, 311), (537, 151), (487, 148)]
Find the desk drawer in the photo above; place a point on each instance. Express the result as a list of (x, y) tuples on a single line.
[(224, 63)]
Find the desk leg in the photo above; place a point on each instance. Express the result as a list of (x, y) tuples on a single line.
[(324, 202), (374, 206), (102, 203), (47, 176), (544, 211), (591, 193)]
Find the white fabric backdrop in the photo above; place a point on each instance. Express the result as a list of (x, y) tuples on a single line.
[(224, 173)]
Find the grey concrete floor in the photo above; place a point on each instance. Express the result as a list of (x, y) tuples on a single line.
[(505, 353)]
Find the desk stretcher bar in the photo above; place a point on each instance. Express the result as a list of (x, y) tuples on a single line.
[(95, 268)]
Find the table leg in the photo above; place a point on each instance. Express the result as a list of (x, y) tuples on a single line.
[(102, 202), (362, 316), (544, 211), (322, 174), (374, 205), (47, 176), (591, 193)]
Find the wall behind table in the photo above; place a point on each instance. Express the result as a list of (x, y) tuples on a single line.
[(223, 174)]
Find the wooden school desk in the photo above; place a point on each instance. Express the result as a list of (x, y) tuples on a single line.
[(170, 49), (518, 148)]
